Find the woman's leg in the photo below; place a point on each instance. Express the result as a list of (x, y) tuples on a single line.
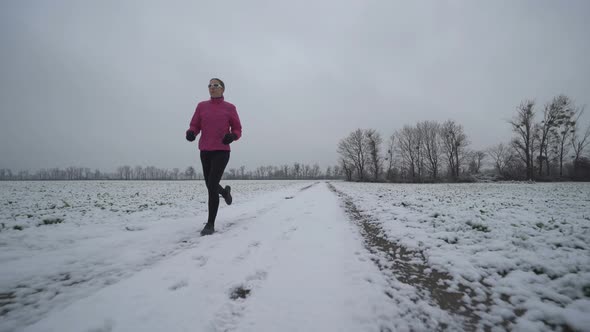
[(216, 161), (206, 163)]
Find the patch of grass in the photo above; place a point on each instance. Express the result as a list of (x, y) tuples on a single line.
[(451, 241), (586, 290), (18, 227), (52, 221), (540, 225), (479, 227)]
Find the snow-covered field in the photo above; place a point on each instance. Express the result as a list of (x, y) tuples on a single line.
[(294, 256), (523, 249)]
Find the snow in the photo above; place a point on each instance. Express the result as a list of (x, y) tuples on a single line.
[(291, 256), (528, 243)]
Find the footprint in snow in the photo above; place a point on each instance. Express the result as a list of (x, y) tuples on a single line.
[(287, 235), (258, 276), (179, 284), (246, 252), (201, 260)]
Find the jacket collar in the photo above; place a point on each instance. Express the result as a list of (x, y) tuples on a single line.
[(217, 100)]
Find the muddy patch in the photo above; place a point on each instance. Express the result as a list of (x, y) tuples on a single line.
[(239, 292)]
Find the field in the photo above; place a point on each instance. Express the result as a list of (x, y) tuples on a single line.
[(293, 255)]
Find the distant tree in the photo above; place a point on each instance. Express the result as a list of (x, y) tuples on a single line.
[(522, 126), (389, 174), (315, 171), (373, 143), (337, 172), (174, 174), (501, 157), (579, 140), (329, 172), (454, 143), (429, 132), (353, 151), (475, 160), (564, 129), (347, 169), (190, 173), (551, 113), (297, 170), (408, 149)]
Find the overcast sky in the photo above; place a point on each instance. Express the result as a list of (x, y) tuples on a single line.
[(102, 84)]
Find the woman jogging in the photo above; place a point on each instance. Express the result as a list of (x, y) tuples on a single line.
[(219, 125)]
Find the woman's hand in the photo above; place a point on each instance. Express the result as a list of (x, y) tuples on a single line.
[(228, 138), (190, 135)]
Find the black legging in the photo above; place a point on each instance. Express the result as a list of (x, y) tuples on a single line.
[(214, 163)]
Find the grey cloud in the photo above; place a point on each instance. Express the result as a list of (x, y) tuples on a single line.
[(109, 83)]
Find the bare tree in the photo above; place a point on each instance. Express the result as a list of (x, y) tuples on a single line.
[(389, 158), (429, 133), (347, 168), (373, 142), (315, 171), (306, 171), (297, 170), (551, 113), (454, 143), (475, 160), (190, 173), (501, 156), (408, 149), (353, 152), (337, 172), (564, 130), (139, 173), (579, 141), (522, 125)]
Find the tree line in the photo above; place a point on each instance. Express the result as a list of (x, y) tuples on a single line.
[(552, 147), (297, 171)]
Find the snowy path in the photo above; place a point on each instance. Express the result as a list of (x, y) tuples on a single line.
[(296, 256), (293, 263)]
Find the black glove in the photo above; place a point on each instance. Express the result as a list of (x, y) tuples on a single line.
[(190, 135), (228, 138)]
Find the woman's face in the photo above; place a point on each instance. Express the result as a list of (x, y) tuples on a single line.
[(215, 89)]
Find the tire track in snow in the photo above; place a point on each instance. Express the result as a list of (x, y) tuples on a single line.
[(399, 263)]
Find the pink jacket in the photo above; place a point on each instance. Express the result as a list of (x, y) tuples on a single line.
[(215, 118)]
